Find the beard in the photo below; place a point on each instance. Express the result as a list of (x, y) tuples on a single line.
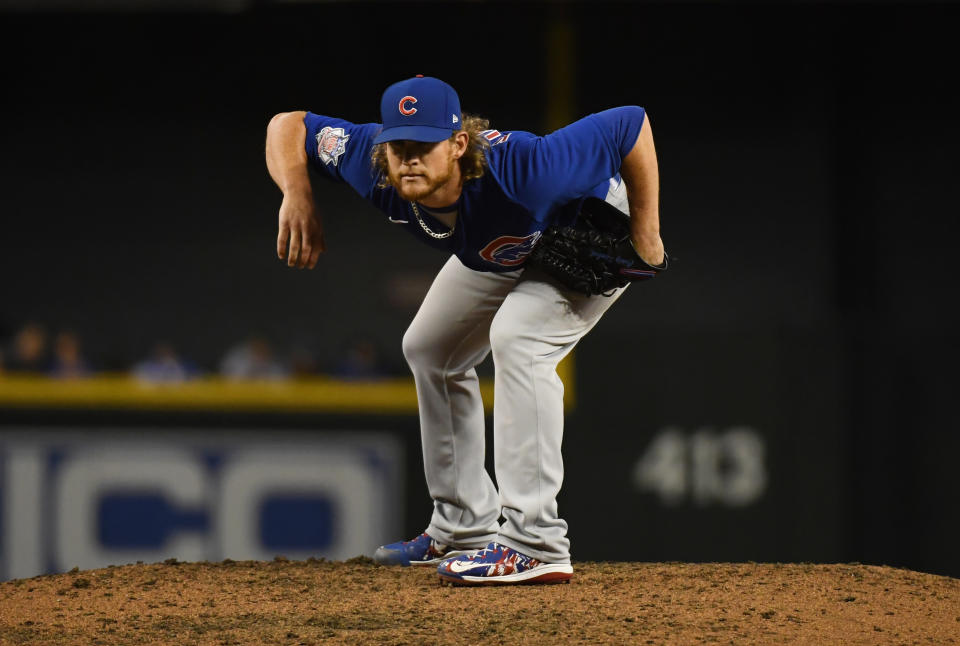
[(421, 187)]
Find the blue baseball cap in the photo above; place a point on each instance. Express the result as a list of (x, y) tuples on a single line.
[(419, 109)]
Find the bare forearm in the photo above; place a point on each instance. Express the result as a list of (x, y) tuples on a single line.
[(286, 154), (642, 177), (300, 237)]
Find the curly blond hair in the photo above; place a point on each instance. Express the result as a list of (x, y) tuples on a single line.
[(472, 163)]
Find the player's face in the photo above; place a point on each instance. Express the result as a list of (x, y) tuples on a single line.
[(419, 168)]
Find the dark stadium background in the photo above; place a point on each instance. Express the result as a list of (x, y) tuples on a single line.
[(808, 158)]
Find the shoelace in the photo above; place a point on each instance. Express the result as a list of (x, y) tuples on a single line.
[(488, 549), (414, 540)]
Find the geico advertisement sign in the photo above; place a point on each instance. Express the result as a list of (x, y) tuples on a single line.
[(96, 499)]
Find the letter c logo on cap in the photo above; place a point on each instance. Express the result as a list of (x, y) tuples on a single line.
[(405, 110)]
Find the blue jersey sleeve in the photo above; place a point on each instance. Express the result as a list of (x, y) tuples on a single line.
[(542, 173), (340, 150)]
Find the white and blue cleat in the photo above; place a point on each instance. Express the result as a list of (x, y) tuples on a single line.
[(422, 550), (498, 564)]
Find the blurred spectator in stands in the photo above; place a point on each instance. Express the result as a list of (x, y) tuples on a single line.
[(302, 361), (164, 365), (253, 359), (28, 350), (359, 360), (68, 361)]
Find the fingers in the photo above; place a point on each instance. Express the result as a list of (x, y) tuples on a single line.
[(294, 255), (300, 241), (306, 249), (283, 239), (314, 257), (316, 247)]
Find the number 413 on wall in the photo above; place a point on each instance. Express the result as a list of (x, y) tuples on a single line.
[(705, 467)]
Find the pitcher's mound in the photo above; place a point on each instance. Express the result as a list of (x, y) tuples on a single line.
[(357, 602)]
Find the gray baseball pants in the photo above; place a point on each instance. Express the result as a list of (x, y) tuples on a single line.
[(530, 323)]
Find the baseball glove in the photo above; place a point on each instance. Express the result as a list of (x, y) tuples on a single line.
[(594, 256)]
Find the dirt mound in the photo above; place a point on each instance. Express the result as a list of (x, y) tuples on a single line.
[(358, 602)]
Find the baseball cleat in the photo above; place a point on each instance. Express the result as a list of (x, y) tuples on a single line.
[(422, 550), (498, 564)]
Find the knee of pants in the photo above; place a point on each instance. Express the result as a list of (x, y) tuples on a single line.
[(423, 350), (415, 350)]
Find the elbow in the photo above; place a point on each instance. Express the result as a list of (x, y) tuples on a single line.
[(282, 118), (276, 120)]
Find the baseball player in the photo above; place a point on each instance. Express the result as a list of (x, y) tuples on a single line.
[(485, 197)]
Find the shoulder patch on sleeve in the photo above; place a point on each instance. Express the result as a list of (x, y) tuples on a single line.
[(331, 143), (495, 136)]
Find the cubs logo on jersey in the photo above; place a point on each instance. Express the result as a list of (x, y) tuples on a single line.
[(331, 143), (509, 251)]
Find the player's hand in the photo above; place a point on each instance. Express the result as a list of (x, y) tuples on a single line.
[(649, 247), (300, 239)]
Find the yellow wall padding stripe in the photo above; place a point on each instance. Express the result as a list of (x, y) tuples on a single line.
[(314, 394)]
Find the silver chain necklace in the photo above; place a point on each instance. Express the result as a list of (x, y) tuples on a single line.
[(429, 231)]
